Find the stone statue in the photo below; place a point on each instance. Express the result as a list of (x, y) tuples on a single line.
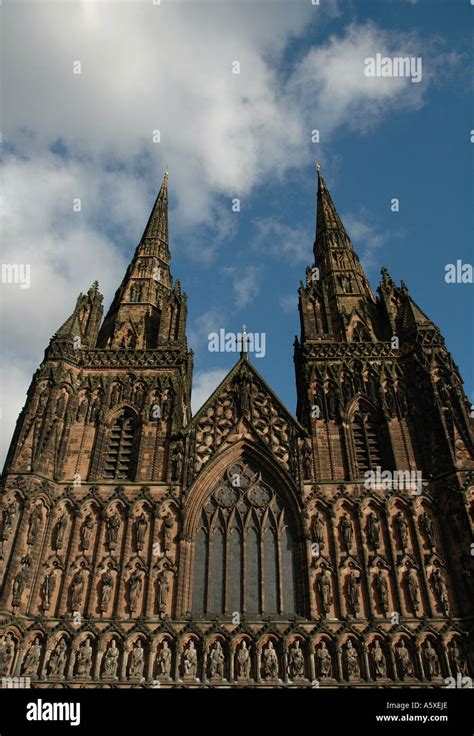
[(47, 589), (107, 584), (243, 661), (177, 464), (77, 588), (85, 532), (378, 660), (345, 526), (7, 652), (404, 661), (270, 662), (381, 586), (34, 528), (112, 530), (317, 528), (59, 535), (216, 660), (373, 531), (57, 661), (9, 515), (135, 588), (353, 593), (111, 660), (432, 661), (352, 660), (141, 526), (32, 659), (426, 526), (324, 660), (439, 586), (296, 661), (307, 462), (19, 585), (190, 660), (137, 660), (458, 661), (84, 659), (324, 587), (412, 584), (168, 532), (164, 660), (401, 528), (163, 590)]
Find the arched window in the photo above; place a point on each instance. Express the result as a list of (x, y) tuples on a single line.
[(244, 549), (366, 436), (121, 449), (360, 334)]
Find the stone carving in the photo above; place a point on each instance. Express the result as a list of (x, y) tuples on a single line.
[(137, 660), (378, 660), (373, 531), (353, 593), (141, 526), (324, 587), (77, 589), (32, 659), (135, 584), (317, 528), (59, 532), (439, 586), (9, 514), (347, 532), (36, 520), (167, 531), (352, 660), (381, 586), (164, 660), (216, 661), (426, 526), (431, 660), (404, 661), (47, 589), (324, 661), (19, 585), (270, 662), (7, 653), (177, 462), (57, 661), (243, 661), (296, 661), (190, 660), (163, 591), (85, 533), (111, 660), (401, 528), (412, 586), (84, 659), (457, 659), (112, 529), (106, 588)]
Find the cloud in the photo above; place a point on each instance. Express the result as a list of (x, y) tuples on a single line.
[(277, 239), (200, 328), (245, 283), (204, 383)]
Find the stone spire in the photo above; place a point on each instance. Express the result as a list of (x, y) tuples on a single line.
[(157, 225)]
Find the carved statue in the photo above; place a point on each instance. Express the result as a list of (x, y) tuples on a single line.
[(111, 660), (458, 661), (296, 661), (9, 515), (135, 588), (168, 531), (85, 532), (381, 586), (19, 585), (137, 660), (59, 532), (439, 586), (163, 590), (412, 584), (317, 528), (32, 659), (324, 587), (332, 404), (190, 660), (353, 593), (216, 661), (177, 463), (141, 526), (378, 659), (112, 530), (373, 531), (164, 660), (401, 528), (352, 660), (307, 462), (426, 526), (404, 660), (345, 525), (243, 396), (107, 584), (57, 661), (243, 661), (47, 589), (324, 660), (84, 659), (82, 409), (432, 661), (7, 652), (270, 662), (36, 520), (166, 403), (77, 588)]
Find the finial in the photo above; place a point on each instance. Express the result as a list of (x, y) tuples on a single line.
[(244, 340), (318, 167), (166, 170)]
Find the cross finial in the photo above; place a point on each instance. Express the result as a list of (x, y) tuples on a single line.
[(244, 339), (318, 167)]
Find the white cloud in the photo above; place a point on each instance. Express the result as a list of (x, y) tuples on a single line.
[(245, 283), (277, 239), (204, 383)]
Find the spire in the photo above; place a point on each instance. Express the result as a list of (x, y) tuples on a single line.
[(157, 225), (328, 223)]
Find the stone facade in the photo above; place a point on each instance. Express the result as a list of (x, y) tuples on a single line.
[(141, 546)]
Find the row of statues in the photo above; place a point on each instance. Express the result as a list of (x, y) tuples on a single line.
[(268, 666)]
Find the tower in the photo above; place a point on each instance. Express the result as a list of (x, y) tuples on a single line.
[(241, 545)]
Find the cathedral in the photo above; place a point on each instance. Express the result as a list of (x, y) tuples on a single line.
[(142, 546)]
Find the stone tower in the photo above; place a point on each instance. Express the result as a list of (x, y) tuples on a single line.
[(240, 546)]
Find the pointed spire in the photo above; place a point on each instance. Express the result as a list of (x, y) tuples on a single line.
[(157, 225), (328, 220)]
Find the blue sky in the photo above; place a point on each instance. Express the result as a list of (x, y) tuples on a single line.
[(225, 136)]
